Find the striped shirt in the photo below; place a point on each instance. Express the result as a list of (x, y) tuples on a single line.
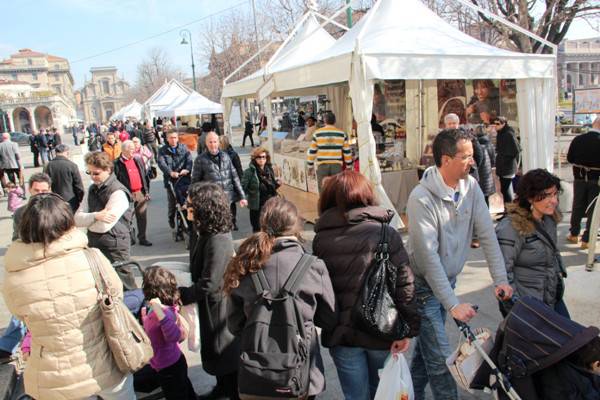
[(329, 145)]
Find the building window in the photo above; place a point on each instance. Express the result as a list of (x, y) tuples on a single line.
[(29, 61), (14, 76), (34, 76), (57, 89), (56, 66), (105, 88), (580, 79), (56, 77)]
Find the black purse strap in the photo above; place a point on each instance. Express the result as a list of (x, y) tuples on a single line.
[(542, 231)]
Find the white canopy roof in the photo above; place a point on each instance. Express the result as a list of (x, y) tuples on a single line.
[(404, 39), (132, 110), (166, 95), (192, 104), (308, 38)]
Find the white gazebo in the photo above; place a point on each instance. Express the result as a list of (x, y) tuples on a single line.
[(164, 96), (192, 104), (405, 40)]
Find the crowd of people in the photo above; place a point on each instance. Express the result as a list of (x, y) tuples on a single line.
[(50, 289)]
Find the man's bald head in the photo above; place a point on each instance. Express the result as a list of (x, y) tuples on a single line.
[(212, 143), (5, 136)]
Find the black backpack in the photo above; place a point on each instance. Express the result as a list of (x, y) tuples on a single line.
[(275, 348)]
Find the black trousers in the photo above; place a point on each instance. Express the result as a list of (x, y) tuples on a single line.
[(230, 384), (175, 383), (583, 194), (247, 135), (506, 189), (255, 220), (233, 209), (171, 204), (36, 158)]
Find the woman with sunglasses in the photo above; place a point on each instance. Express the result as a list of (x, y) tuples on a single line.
[(259, 184), (49, 285), (527, 238), (106, 211)]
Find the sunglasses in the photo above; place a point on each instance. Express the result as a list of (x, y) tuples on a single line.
[(93, 173), (261, 157)]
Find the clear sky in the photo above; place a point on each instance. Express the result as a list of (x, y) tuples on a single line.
[(77, 29)]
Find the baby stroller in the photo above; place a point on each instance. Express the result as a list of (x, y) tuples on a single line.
[(531, 338), (179, 190)]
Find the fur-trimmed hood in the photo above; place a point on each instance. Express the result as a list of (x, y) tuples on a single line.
[(522, 219)]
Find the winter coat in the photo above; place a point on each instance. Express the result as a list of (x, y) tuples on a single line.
[(220, 170), (508, 151), (173, 162), (257, 195), (148, 136), (488, 158), (66, 180), (209, 257), (52, 290), (114, 151), (235, 160), (441, 229), (347, 246), (315, 293), (533, 266)]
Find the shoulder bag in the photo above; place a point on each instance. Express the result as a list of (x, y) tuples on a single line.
[(128, 343), (375, 311)]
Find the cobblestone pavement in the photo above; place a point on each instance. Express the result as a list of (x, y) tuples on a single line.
[(473, 285)]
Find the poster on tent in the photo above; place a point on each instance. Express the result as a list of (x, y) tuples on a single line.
[(484, 101), (452, 98), (508, 101), (587, 101), (389, 109), (292, 171)]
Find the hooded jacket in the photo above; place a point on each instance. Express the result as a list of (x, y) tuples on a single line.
[(533, 266), (347, 244), (440, 232), (53, 291)]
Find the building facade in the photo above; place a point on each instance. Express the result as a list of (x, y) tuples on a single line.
[(579, 64), (103, 95), (36, 91)]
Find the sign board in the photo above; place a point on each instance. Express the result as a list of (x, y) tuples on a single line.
[(266, 89), (587, 101)]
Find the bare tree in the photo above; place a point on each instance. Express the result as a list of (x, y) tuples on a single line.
[(152, 72)]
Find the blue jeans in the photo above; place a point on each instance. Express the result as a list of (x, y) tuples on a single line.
[(44, 155), (432, 349), (12, 335), (358, 370)]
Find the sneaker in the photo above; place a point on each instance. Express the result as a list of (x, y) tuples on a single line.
[(172, 223), (572, 239), (145, 243), (584, 245)]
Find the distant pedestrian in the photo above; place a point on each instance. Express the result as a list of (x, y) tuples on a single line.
[(75, 133), (259, 184), (131, 172), (106, 212), (166, 329), (508, 153), (43, 146), (201, 146), (584, 154), (330, 150), (150, 139), (488, 163), (33, 146), (248, 131), (66, 180), (10, 161), (142, 152), (123, 134), (112, 147)]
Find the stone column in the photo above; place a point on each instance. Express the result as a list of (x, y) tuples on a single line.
[(32, 119), (9, 118)]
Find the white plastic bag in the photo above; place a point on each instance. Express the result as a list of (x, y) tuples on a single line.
[(395, 382)]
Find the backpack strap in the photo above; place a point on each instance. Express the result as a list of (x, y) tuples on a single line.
[(298, 272), (259, 280)]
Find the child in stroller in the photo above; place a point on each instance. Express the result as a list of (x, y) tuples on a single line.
[(179, 188), (544, 355)]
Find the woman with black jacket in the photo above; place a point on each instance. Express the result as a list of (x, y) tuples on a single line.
[(347, 234), (208, 208)]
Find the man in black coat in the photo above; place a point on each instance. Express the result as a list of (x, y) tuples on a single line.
[(175, 161), (583, 154), (66, 180), (130, 171), (216, 166)]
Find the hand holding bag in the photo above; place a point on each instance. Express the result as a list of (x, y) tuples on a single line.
[(395, 382), (128, 343)]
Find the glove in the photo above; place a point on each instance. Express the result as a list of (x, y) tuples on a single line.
[(187, 295)]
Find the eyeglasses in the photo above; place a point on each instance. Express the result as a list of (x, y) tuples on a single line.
[(464, 158), (498, 123), (261, 157), (93, 173)]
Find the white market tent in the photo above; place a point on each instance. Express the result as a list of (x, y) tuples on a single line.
[(403, 39), (192, 104), (164, 96), (133, 110)]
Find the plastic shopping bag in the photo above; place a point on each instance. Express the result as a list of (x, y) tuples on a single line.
[(395, 382)]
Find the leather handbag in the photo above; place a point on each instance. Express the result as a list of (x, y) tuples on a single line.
[(375, 311), (126, 338)]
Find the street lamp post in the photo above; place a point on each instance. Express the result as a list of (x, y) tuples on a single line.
[(183, 33)]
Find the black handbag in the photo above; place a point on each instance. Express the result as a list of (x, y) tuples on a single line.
[(375, 311)]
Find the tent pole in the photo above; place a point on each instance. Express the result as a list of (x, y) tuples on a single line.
[(269, 114), (420, 122)]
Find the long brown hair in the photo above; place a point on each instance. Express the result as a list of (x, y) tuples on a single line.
[(347, 190), (161, 283), (279, 217)]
